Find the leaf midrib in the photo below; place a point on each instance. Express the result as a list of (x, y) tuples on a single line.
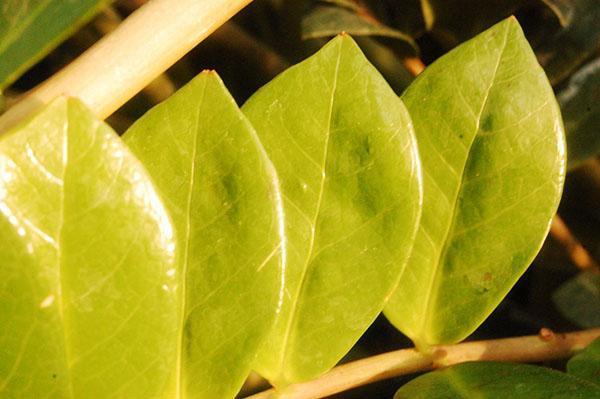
[(185, 261), (435, 278), (294, 306), (59, 252)]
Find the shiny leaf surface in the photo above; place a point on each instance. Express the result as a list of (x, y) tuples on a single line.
[(497, 380), (492, 151), (586, 364), (343, 147), (29, 29), (85, 257), (223, 197)]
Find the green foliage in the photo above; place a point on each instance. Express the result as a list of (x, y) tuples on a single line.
[(87, 247), (29, 29), (578, 299), (492, 151), (343, 147), (580, 105), (586, 364), (222, 194), (575, 42), (328, 21), (497, 380), (272, 237)]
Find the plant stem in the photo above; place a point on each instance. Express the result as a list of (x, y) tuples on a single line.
[(535, 348), (158, 89), (579, 256), (122, 63)]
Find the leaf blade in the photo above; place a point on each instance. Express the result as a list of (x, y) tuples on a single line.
[(223, 195), (481, 173), (586, 364), (327, 126), (30, 29), (79, 301), (494, 379)]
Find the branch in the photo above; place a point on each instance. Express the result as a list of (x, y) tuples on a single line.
[(530, 349), (122, 63)]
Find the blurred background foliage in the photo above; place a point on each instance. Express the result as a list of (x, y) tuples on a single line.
[(400, 37)]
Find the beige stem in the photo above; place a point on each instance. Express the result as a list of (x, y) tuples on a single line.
[(578, 254), (122, 63), (536, 348)]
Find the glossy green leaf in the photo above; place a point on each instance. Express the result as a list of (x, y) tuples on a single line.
[(343, 147), (571, 46), (327, 21), (586, 364), (580, 105), (85, 257), (493, 380), (223, 196), (29, 29), (578, 299), (492, 151)]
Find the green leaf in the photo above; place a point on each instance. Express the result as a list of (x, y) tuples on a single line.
[(571, 46), (223, 196), (579, 299), (328, 21), (343, 147), (29, 29), (492, 151), (497, 380), (586, 364), (580, 105), (454, 21), (86, 302)]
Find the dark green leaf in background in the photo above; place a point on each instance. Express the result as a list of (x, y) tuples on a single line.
[(579, 299), (578, 40), (483, 380), (586, 364), (329, 20), (454, 21), (493, 157), (223, 196), (344, 150), (29, 29), (86, 301), (580, 105)]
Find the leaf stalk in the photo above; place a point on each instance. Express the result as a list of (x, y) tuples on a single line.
[(547, 345), (124, 62)]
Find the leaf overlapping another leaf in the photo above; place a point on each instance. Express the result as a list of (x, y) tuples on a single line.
[(85, 256), (223, 195), (343, 146), (492, 149)]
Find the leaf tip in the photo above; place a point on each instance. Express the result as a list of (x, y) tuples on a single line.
[(209, 72)]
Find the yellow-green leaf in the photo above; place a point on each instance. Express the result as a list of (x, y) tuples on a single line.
[(222, 193), (86, 252), (492, 149), (342, 144)]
